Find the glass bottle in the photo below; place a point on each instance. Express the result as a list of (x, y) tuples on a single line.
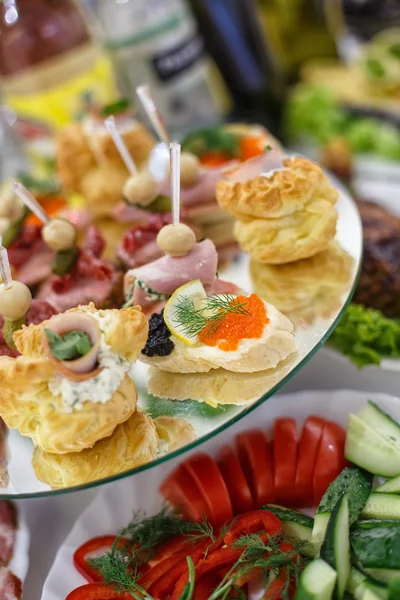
[(157, 42)]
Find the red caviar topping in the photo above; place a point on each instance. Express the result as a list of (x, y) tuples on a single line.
[(237, 326)]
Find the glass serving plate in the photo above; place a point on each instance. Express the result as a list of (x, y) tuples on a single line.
[(313, 323)]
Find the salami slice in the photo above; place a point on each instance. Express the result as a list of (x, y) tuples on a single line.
[(8, 525), (10, 585)]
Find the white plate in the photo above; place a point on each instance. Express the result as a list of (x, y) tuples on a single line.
[(114, 505), (20, 561)]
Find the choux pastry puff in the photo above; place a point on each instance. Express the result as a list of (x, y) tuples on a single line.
[(284, 214)]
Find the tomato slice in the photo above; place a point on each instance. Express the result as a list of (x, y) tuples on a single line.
[(90, 549), (308, 450), (256, 460), (235, 480), (180, 491), (330, 458), (97, 591), (253, 522), (207, 477), (285, 458)]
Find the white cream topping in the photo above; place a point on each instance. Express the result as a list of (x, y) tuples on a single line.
[(271, 173), (97, 389)]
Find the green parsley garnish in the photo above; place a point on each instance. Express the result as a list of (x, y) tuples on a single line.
[(211, 316), (70, 346), (117, 107), (213, 139), (366, 336)]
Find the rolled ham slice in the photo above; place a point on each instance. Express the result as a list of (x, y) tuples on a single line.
[(38, 265), (83, 291), (265, 164), (84, 367), (166, 274), (202, 192)]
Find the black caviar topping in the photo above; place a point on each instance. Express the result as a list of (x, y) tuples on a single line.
[(158, 342)]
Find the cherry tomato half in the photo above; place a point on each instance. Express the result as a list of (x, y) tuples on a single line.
[(256, 460), (307, 456), (330, 458), (235, 480), (285, 459), (211, 485), (180, 491)]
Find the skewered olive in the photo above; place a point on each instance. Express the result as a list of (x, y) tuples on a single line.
[(176, 240), (142, 189), (15, 300), (59, 234)]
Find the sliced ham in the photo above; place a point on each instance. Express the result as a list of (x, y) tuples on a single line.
[(82, 291), (79, 217), (10, 585), (147, 253), (127, 213), (8, 526), (265, 164), (166, 274), (202, 192), (38, 267), (139, 246), (220, 286)]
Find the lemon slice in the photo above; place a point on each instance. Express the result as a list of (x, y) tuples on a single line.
[(193, 290)]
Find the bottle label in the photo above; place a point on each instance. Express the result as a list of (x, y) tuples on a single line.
[(178, 59), (61, 90)]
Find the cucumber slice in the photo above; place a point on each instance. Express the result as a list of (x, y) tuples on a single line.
[(381, 422), (336, 547), (376, 547), (369, 595), (317, 581), (297, 525), (384, 575), (390, 486), (382, 506), (370, 451), (354, 482), (359, 582)]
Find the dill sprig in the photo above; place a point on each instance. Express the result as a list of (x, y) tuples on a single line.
[(192, 321)]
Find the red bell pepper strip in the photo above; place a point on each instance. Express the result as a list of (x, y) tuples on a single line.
[(97, 591), (253, 522), (90, 549)]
